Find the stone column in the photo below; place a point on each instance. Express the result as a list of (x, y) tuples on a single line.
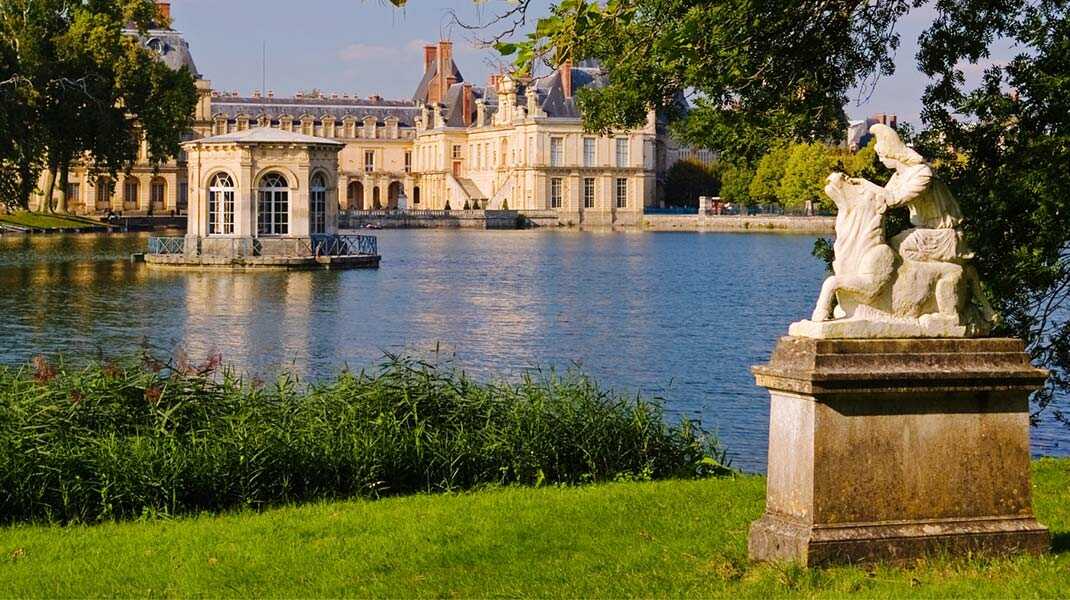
[(891, 449)]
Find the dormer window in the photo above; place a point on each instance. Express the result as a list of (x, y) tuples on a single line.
[(157, 45)]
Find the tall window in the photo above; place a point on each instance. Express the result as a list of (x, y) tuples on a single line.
[(369, 161), (131, 191), (183, 196), (588, 152), (555, 192), (105, 190), (273, 209), (221, 205), (622, 152), (456, 152), (318, 200), (157, 192), (588, 192), (408, 162), (557, 152), (622, 193)]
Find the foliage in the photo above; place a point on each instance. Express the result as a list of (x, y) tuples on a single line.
[(780, 70), (688, 179), (765, 187), (757, 71), (124, 439), (1004, 149), (735, 184), (805, 172), (663, 539), (84, 87), (866, 164)]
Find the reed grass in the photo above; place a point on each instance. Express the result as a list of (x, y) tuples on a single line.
[(138, 437)]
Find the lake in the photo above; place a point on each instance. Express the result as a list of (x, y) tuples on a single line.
[(677, 315)]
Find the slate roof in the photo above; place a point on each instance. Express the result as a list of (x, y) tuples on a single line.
[(172, 48), (549, 90), (420, 97), (552, 100), (232, 106), (263, 135)]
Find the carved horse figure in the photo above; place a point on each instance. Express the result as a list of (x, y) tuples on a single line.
[(871, 280)]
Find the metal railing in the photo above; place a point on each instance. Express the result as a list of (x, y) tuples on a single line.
[(344, 245), (316, 245), (167, 245), (411, 212)]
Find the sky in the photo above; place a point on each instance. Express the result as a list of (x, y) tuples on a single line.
[(369, 47)]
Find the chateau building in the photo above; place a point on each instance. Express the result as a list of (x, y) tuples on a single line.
[(507, 144)]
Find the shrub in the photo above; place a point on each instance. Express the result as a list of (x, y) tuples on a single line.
[(688, 179), (735, 182), (136, 437)]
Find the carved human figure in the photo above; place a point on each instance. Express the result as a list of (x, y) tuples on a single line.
[(920, 283), (936, 217)]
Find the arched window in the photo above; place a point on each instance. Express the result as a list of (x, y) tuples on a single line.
[(157, 193), (392, 193), (273, 210), (355, 195), (221, 205), (131, 192), (105, 189), (318, 201)]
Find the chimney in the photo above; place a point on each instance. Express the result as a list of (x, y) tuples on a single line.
[(495, 79), (467, 104), (430, 56), (481, 112), (566, 78), (163, 9), (445, 69)]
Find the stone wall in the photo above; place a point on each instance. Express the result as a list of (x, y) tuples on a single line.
[(429, 219), (753, 223)]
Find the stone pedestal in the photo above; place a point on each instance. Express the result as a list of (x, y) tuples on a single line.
[(891, 449)]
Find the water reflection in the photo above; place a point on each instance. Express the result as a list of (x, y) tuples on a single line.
[(677, 315)]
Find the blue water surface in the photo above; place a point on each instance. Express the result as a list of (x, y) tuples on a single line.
[(677, 315)]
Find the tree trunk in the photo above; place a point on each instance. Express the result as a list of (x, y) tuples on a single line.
[(26, 184), (64, 185), (50, 188)]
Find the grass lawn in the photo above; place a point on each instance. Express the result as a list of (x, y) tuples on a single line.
[(675, 538), (45, 221)]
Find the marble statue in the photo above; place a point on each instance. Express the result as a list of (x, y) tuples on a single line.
[(918, 284)]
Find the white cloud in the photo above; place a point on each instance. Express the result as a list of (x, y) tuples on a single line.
[(409, 52), (355, 52)]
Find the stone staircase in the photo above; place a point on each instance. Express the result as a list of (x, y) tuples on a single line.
[(472, 191)]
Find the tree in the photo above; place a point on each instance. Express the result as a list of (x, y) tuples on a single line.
[(89, 91), (768, 70), (1004, 148), (765, 186), (756, 71), (688, 179), (735, 184), (807, 168)]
